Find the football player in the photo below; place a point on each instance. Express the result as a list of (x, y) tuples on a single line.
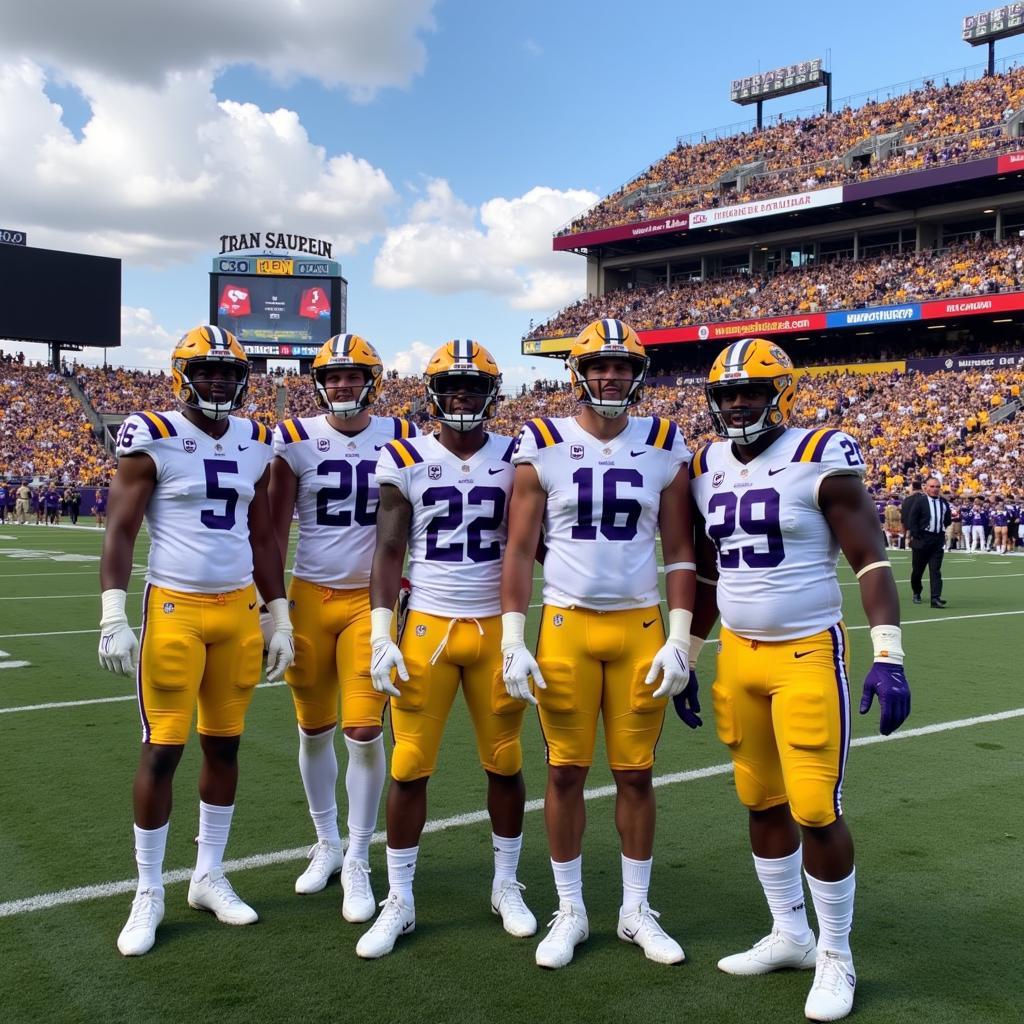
[(445, 496), (199, 476), (597, 486), (775, 504), (324, 466)]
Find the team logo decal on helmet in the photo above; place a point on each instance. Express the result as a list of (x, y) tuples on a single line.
[(202, 347), (467, 366), (347, 352), (747, 362), (607, 339)]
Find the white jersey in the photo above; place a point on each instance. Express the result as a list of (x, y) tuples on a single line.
[(337, 495), (776, 552), (459, 522), (198, 514), (603, 500)]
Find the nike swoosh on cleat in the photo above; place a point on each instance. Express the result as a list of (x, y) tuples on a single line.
[(243, 447), (628, 933), (772, 472), (406, 926), (651, 623), (491, 472), (801, 654), (635, 454)]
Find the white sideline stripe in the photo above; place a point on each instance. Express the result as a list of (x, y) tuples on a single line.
[(94, 700), (111, 700), (65, 597), (65, 897)]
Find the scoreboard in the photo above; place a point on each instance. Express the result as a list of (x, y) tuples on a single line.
[(278, 306), (998, 23), (808, 74)]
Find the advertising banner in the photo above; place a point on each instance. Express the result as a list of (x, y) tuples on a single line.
[(662, 226), (767, 207), (875, 315), (977, 361)]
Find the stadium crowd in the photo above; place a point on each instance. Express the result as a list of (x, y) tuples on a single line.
[(935, 124), (969, 267)]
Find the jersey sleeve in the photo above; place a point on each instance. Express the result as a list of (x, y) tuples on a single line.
[(526, 450), (142, 432), (840, 455), (680, 455), (392, 465), (286, 448)]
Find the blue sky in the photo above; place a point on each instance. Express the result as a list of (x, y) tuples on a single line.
[(173, 134)]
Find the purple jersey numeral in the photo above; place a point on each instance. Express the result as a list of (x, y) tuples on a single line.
[(619, 516), (364, 513), (208, 517), (476, 549), (758, 516)]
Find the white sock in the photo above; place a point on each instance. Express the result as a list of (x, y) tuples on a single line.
[(364, 783), (318, 766), (150, 845), (833, 905), (402, 871), (214, 826), (506, 857), (636, 881), (569, 880), (784, 890)]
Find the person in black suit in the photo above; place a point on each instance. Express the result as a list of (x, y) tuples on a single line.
[(909, 501), (927, 519)]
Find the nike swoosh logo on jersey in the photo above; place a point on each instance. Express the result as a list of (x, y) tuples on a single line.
[(801, 654), (491, 472), (377, 447), (651, 623), (243, 447), (635, 454), (772, 472)]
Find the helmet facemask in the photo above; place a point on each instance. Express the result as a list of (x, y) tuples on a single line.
[(771, 415), (347, 409), (444, 387), (603, 407), (188, 392)]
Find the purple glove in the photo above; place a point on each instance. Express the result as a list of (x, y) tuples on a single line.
[(686, 703), (890, 685)]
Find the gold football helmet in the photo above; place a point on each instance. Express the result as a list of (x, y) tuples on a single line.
[(747, 362), (203, 346), (459, 365), (347, 352), (607, 339)]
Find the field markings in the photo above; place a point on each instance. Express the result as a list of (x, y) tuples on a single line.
[(82, 894), (114, 700), (12, 664)]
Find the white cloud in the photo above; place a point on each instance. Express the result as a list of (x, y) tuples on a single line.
[(412, 360), (144, 341), (159, 173), (364, 46), (504, 248)]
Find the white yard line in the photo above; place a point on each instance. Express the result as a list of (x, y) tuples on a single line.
[(65, 897)]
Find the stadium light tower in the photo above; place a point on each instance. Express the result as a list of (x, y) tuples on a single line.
[(986, 27), (781, 82)]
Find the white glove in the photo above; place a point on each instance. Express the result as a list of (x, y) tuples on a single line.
[(672, 662), (518, 663), (119, 647), (281, 649), (385, 656)]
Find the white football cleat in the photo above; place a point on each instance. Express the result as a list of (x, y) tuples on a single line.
[(213, 892), (567, 929), (325, 859), (831, 995), (396, 919), (139, 933), (641, 927), (358, 903), (772, 953), (508, 903)]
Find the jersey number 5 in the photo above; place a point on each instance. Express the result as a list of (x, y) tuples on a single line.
[(210, 519), (757, 513)]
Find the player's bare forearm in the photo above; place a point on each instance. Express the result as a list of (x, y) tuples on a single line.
[(851, 516), (675, 524), (705, 608), (525, 518), (394, 514), (284, 488), (268, 565), (130, 492)]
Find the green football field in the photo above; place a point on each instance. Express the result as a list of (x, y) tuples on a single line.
[(937, 813)]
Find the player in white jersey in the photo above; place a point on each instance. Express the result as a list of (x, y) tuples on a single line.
[(775, 505), (445, 497), (199, 476), (596, 487), (324, 466)]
